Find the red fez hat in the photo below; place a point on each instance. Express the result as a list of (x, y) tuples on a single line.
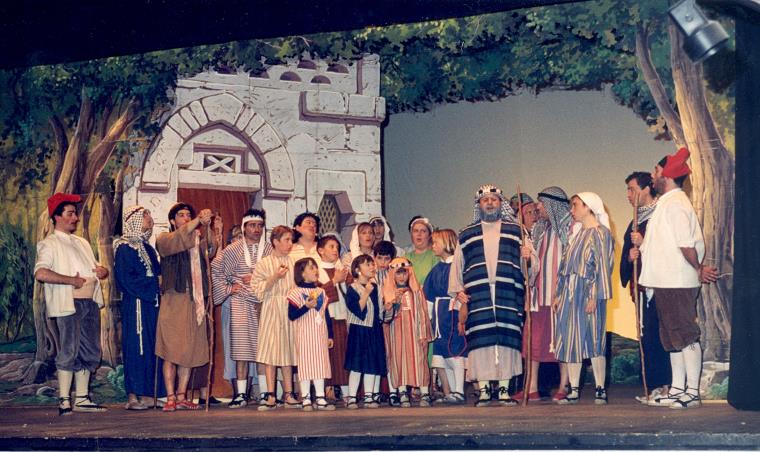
[(675, 165), (59, 198)]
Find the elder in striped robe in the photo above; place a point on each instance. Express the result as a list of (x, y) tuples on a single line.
[(584, 285), (486, 277), (237, 266)]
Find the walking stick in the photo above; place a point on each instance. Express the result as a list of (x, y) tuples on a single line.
[(636, 299), (526, 284), (210, 317)]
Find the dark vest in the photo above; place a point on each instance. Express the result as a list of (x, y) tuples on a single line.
[(498, 321)]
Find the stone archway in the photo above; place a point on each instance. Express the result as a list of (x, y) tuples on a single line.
[(263, 152)]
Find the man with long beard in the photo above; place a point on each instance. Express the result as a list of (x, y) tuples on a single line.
[(486, 278)]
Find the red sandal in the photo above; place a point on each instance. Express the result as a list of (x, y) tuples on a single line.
[(171, 404)]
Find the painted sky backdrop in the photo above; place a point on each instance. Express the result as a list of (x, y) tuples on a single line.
[(580, 141)]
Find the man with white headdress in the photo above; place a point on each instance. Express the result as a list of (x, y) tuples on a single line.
[(237, 266), (486, 278)]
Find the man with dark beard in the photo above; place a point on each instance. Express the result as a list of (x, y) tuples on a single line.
[(486, 278)]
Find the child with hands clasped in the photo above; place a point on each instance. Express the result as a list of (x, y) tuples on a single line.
[(409, 333), (307, 310), (365, 353)]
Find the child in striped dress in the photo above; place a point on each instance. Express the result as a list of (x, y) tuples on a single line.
[(365, 352), (407, 313), (307, 309)]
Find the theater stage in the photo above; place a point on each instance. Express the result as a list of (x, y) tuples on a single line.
[(623, 424)]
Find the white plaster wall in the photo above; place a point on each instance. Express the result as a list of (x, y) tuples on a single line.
[(310, 139)]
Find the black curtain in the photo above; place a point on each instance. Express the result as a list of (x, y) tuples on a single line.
[(745, 312)]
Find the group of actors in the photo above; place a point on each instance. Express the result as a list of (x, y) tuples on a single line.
[(300, 311)]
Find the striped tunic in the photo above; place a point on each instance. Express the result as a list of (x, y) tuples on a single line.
[(545, 275), (275, 333), (311, 335), (585, 273), (408, 337), (244, 309)]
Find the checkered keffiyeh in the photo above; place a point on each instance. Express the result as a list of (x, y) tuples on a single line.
[(133, 236)]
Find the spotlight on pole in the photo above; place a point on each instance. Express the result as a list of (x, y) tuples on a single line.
[(702, 37)]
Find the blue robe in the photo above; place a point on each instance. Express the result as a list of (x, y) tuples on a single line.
[(446, 339), (131, 279)]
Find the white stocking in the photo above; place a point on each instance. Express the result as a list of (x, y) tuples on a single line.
[(678, 366), (354, 378), (692, 356), (319, 387), (305, 390), (574, 370), (599, 366)]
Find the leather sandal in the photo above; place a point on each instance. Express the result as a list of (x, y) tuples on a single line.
[(323, 405), (64, 406), (265, 404)]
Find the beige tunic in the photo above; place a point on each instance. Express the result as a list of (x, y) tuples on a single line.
[(179, 338), (276, 346)]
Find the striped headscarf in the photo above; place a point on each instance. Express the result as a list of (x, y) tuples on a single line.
[(557, 206), (133, 235)]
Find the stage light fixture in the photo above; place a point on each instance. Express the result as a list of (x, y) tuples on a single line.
[(702, 37)]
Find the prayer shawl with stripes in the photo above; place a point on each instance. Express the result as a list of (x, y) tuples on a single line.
[(494, 320)]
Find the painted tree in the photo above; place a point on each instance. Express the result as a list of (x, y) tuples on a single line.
[(63, 125)]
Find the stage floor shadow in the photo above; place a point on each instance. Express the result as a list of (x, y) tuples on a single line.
[(622, 424)]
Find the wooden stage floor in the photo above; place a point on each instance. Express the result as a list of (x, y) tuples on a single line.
[(623, 424)]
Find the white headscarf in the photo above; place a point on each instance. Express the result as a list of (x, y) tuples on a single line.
[(595, 203)]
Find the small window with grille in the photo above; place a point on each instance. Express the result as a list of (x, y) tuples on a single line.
[(329, 215)]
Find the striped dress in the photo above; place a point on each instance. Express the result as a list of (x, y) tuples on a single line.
[(275, 332), (408, 337), (311, 335), (585, 273), (365, 352), (244, 309)]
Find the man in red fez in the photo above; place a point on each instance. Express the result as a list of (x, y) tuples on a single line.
[(71, 277), (672, 253)]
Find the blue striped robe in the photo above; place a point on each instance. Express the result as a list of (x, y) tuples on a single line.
[(585, 273), (493, 321)]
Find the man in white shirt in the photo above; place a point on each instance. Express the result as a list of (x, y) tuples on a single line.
[(70, 274), (672, 252)]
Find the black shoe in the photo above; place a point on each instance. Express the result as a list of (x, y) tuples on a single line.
[(239, 401), (211, 401), (393, 399)]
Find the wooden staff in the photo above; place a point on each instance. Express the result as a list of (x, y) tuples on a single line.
[(636, 299), (209, 315), (526, 284)]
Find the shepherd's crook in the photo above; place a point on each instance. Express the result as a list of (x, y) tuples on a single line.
[(636, 302), (526, 285)]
